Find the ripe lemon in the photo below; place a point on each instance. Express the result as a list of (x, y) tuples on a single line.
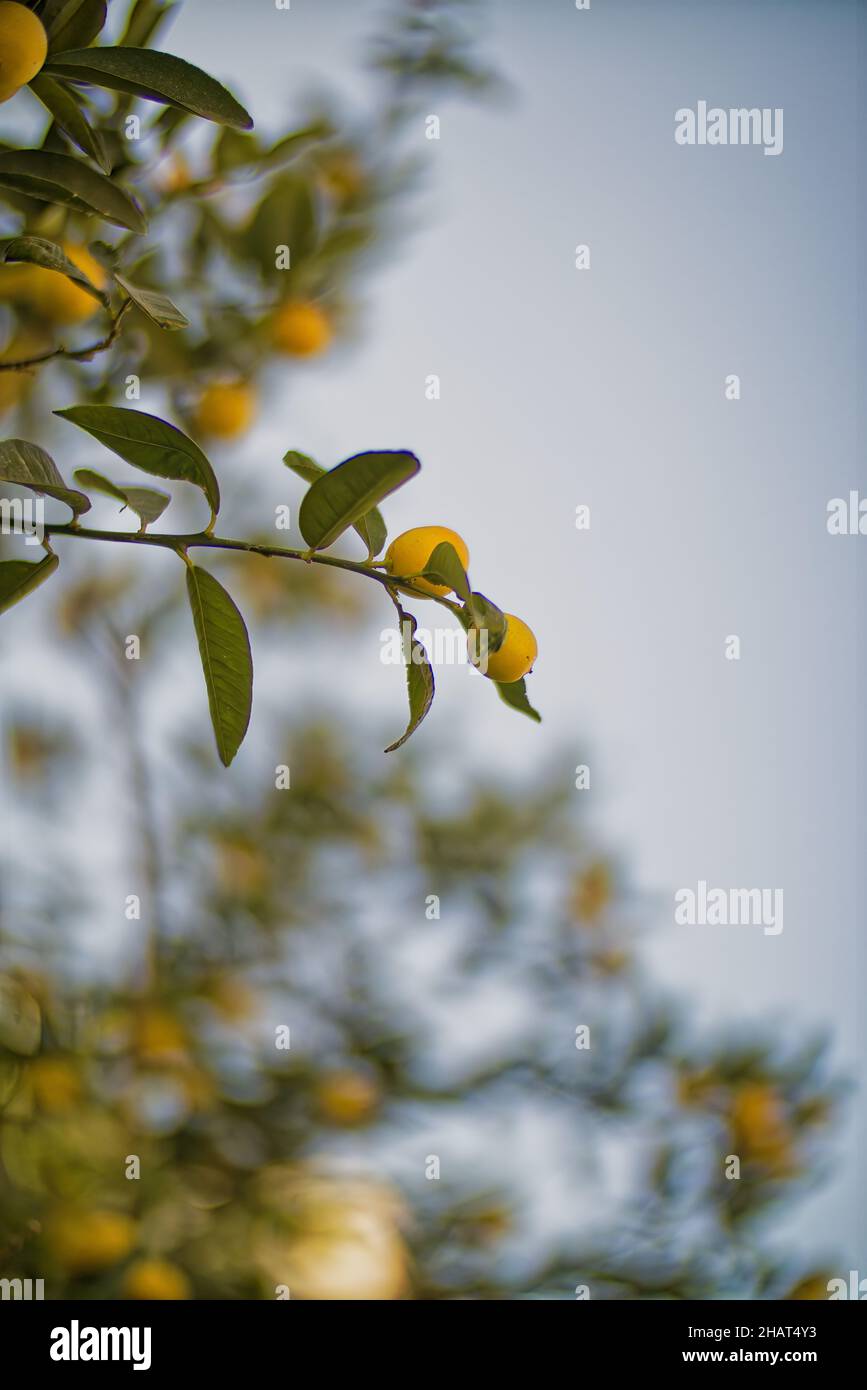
[(409, 553), (155, 1279), (514, 658), (15, 385), (300, 329), (56, 298), (23, 47), (346, 1097), (159, 1037), (84, 1240), (225, 409)]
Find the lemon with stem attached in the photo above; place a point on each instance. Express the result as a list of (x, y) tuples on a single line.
[(513, 659), (409, 553), (23, 47)]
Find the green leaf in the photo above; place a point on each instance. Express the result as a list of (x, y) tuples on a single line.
[(18, 578), (71, 23), (29, 466), (370, 527), (147, 502), (514, 694), (160, 77), (286, 216), (419, 676), (145, 18), (480, 613), (69, 114), (37, 251), (444, 567), (224, 647), (149, 443), (345, 493), (156, 305), (58, 178)]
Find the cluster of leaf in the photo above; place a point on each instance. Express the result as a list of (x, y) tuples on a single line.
[(262, 920)]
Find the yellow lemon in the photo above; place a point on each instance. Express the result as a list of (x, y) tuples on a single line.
[(514, 658), (23, 47), (14, 279), (159, 1037), (84, 1240), (14, 386), (153, 1279), (760, 1126), (593, 891), (225, 409), (300, 329), (409, 553), (346, 1097), (56, 298), (56, 1083)]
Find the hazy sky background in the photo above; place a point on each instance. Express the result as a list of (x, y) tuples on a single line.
[(606, 387)]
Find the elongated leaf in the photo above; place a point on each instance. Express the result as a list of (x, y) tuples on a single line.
[(37, 251), (18, 578), (444, 567), (69, 114), (157, 77), (370, 527), (145, 18), (148, 443), (345, 493), (156, 305), (58, 178), (29, 466), (73, 23), (514, 694), (419, 677), (224, 647), (147, 502)]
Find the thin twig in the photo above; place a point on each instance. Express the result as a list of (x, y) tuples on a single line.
[(72, 354)]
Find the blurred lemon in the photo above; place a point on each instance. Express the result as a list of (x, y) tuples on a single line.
[(346, 1097), (225, 409), (23, 47), (56, 1083), (815, 1286), (594, 890), (409, 553), (760, 1126), (300, 328), (56, 298), (158, 1036), (84, 1240), (155, 1279)]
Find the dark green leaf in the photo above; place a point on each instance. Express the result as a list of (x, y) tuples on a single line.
[(29, 466), (156, 305), (345, 493), (158, 77), (147, 502), (148, 443), (58, 178), (444, 567), (37, 251), (224, 647), (18, 578), (480, 613), (73, 23), (68, 111), (514, 694), (419, 677), (370, 527)]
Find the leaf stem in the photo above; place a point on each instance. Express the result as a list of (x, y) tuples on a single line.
[(181, 543)]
